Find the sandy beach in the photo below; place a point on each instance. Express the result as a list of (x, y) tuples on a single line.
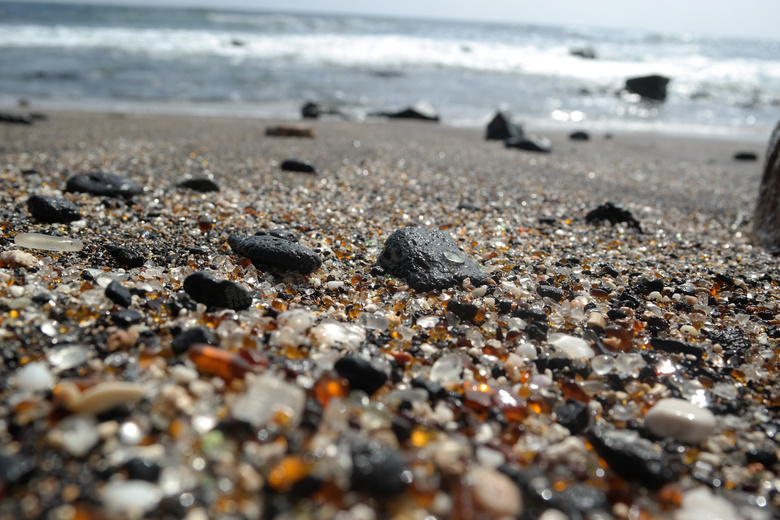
[(572, 311)]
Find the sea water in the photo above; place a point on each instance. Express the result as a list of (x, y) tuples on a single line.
[(267, 64)]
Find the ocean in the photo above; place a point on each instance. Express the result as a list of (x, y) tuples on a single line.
[(267, 64)]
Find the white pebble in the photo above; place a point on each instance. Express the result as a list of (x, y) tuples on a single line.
[(571, 346), (688, 330), (131, 497), (101, 397), (265, 397), (17, 258), (703, 503), (33, 377), (47, 242), (77, 434), (495, 493), (680, 419)]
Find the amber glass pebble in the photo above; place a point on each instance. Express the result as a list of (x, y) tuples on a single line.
[(219, 362), (327, 388), (290, 470), (621, 337)]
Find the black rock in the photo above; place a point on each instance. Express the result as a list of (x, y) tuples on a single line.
[(677, 347), (182, 342), (646, 286), (537, 330), (549, 291), (201, 184), (361, 373), (420, 111), (530, 143), (765, 456), (126, 256), (142, 469), (126, 317), (633, 458), (579, 136), (530, 314), (574, 416), (222, 294), (651, 87), (271, 251), (435, 390), (502, 127), (583, 52), (286, 234), (745, 156), (102, 183), (311, 110), (427, 259), (52, 209), (732, 338), (378, 470), (119, 294), (613, 214), (295, 165), (464, 311), (18, 119), (15, 469)]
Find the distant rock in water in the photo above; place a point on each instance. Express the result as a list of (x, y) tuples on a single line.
[(745, 156), (648, 87), (530, 143), (312, 110), (502, 127), (766, 220), (583, 52), (421, 111), (427, 259)]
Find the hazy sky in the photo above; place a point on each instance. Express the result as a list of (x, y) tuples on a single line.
[(748, 18)]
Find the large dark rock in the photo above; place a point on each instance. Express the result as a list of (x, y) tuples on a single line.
[(119, 294), (503, 127), (378, 470), (297, 165), (427, 259), (220, 294), (200, 184), (361, 373), (272, 251), (612, 213), (126, 256), (52, 209), (583, 52), (530, 143), (18, 119), (420, 111), (674, 346), (766, 219), (102, 183), (648, 87), (573, 415), (182, 342)]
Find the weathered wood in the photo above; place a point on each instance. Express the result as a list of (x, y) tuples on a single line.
[(766, 220)]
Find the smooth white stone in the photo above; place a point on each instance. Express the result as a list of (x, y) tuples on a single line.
[(33, 377), (680, 419), (16, 258), (495, 493), (265, 397), (65, 357), (702, 503), (77, 434), (330, 333), (131, 497), (47, 242), (571, 346)]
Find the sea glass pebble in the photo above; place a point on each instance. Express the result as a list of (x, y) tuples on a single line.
[(47, 242), (680, 419)]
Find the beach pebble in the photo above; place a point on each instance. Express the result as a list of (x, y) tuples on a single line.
[(186, 338), (502, 126), (379, 470), (77, 434), (65, 357), (290, 131), (296, 165), (265, 397), (102, 397), (272, 251), (677, 347), (15, 469), (548, 291), (745, 156), (612, 213), (530, 143), (52, 209), (119, 294), (200, 184), (47, 242), (128, 257), (427, 259), (579, 136), (766, 217), (286, 234), (680, 419), (361, 373), (130, 498), (495, 493), (222, 294), (15, 258), (571, 346), (103, 184), (126, 317), (34, 377), (701, 502), (574, 416)]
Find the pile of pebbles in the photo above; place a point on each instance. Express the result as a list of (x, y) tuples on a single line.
[(361, 343)]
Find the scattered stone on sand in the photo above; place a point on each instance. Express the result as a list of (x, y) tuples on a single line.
[(19, 119), (571, 346), (52, 209), (680, 419), (766, 218), (574, 416), (312, 110), (583, 52), (290, 131), (427, 259), (503, 127), (613, 214), (361, 373), (271, 251), (579, 135), (101, 397), (126, 317), (297, 165), (185, 339), (220, 294), (201, 184), (550, 291), (34, 377), (652, 87), (119, 294), (283, 233), (130, 498), (495, 493), (421, 111), (746, 156), (379, 470), (129, 257), (103, 184), (530, 143), (677, 347), (16, 258), (268, 396), (48, 242), (701, 502)]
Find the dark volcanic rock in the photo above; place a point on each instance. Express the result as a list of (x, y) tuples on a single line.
[(614, 214), (283, 233), (634, 458), (745, 156), (583, 52), (766, 218), (222, 294), (295, 165), (427, 259), (126, 256), (503, 127), (272, 251), (103, 184), (189, 337), (420, 111), (361, 373), (649, 87), (378, 470), (677, 347), (119, 294), (530, 143), (15, 469), (52, 209), (18, 119), (548, 291), (201, 184), (126, 317), (579, 136), (574, 416)]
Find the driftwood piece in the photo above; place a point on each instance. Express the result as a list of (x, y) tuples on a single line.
[(766, 220)]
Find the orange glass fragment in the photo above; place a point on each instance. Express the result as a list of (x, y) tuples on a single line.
[(620, 334), (327, 387), (290, 470), (218, 362)]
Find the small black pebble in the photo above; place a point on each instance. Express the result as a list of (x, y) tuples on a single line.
[(223, 294), (126, 317), (119, 294), (189, 337), (548, 291), (579, 136), (295, 165), (574, 416), (102, 184), (361, 373), (200, 184), (126, 256), (378, 470), (745, 156), (52, 209)]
